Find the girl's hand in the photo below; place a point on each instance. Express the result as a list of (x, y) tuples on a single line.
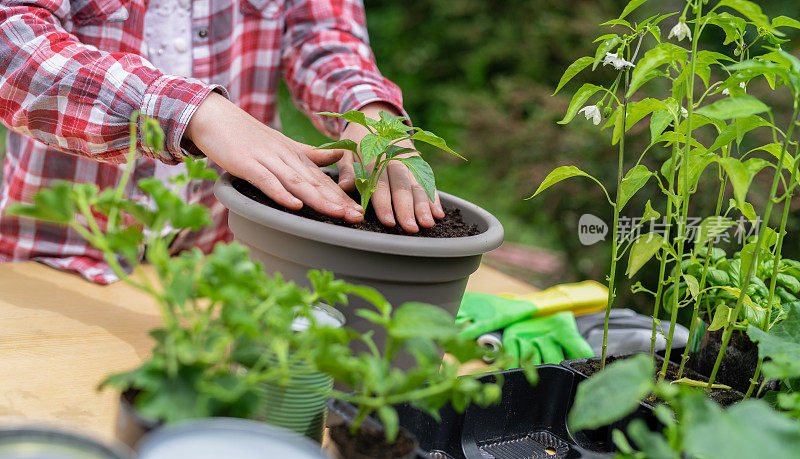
[(397, 187), (286, 171)]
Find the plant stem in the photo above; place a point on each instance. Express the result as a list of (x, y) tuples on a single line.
[(775, 265), (615, 231), (702, 283), (683, 215), (726, 337), (664, 253)]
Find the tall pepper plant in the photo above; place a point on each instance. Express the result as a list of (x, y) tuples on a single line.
[(701, 118)]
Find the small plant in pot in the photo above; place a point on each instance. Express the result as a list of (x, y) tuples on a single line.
[(423, 332), (402, 267), (699, 123), (228, 327)]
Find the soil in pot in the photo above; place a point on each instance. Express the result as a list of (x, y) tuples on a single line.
[(371, 443), (452, 225), (738, 364), (724, 397)]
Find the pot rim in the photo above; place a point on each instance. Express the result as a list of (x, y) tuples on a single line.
[(395, 244)]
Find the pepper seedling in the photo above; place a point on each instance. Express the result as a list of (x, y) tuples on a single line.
[(380, 147)]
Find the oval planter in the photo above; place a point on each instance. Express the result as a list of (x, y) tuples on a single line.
[(402, 268), (131, 426), (43, 442), (213, 438)]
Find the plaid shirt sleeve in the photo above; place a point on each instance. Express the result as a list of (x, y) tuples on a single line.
[(78, 99), (328, 64)]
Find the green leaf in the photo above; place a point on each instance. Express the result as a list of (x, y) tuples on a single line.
[(734, 107), (605, 47), (638, 110), (650, 213), (420, 320), (692, 284), (705, 59), (785, 21), (748, 429), (709, 229), (612, 393), (775, 150), (752, 12), (633, 181), (559, 174), (49, 204), (394, 150), (632, 5), (574, 68), (642, 250), (197, 169), (722, 317), (741, 175), (663, 53), (346, 144), (578, 100), (733, 26), (781, 344), (372, 146), (432, 139), (391, 422), (659, 122), (422, 172)]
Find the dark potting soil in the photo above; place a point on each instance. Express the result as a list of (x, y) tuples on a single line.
[(738, 364), (725, 397), (370, 443), (452, 225)]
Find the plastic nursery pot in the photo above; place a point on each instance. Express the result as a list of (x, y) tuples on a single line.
[(214, 438), (39, 442), (369, 442), (738, 363), (403, 268), (131, 426), (529, 421), (584, 368), (300, 404)]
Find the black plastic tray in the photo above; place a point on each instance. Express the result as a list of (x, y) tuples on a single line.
[(529, 421)]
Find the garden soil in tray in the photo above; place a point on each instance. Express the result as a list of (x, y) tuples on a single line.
[(452, 225), (724, 397)]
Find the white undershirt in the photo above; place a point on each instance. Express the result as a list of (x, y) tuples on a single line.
[(168, 39)]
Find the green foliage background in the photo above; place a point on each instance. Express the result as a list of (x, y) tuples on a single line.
[(480, 74)]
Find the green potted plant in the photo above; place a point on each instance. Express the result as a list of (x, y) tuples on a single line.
[(701, 121), (402, 267), (423, 332), (229, 341)]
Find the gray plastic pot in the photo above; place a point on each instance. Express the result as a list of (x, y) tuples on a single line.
[(402, 268)]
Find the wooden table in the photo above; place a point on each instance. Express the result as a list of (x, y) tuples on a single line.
[(61, 335)]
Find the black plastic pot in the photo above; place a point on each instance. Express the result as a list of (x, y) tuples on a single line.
[(738, 363), (529, 421), (723, 397), (132, 426)]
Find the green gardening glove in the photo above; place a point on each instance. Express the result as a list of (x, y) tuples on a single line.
[(482, 313), (548, 339)]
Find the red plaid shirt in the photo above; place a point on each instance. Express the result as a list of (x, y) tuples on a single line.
[(72, 73)]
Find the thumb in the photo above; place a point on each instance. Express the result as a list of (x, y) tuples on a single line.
[(323, 156)]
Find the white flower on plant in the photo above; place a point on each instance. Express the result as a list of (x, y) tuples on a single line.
[(727, 92), (684, 112), (592, 112), (680, 31), (618, 62)]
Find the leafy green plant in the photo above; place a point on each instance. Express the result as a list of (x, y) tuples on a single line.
[(423, 332), (380, 146), (683, 121), (693, 425), (227, 325)]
